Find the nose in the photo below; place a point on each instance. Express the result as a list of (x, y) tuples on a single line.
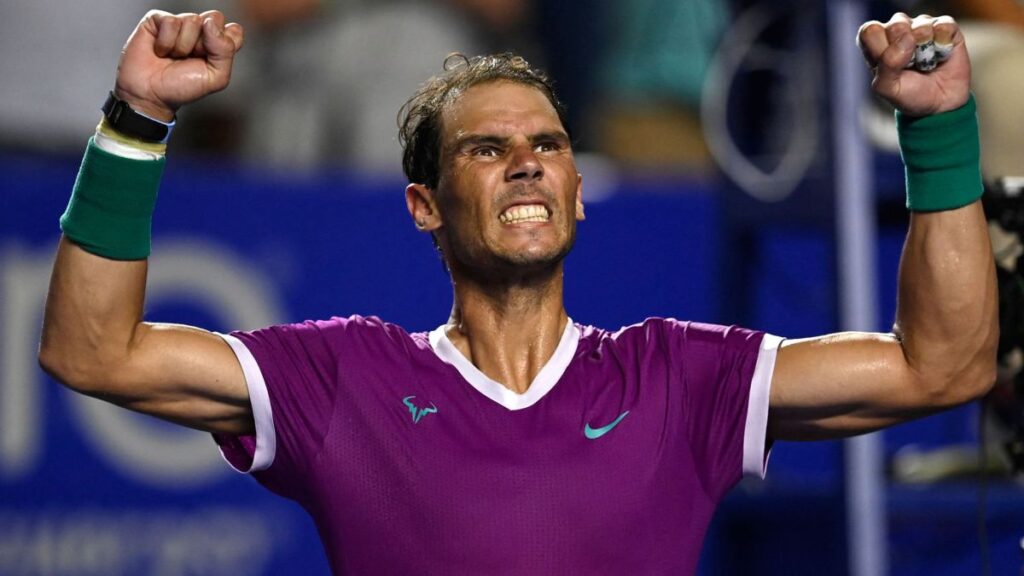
[(523, 165)]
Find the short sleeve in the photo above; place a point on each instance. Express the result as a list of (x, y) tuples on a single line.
[(291, 372), (726, 374)]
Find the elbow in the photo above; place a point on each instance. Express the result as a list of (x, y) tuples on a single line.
[(978, 382), (984, 369), (81, 374), (971, 379), (99, 366), (60, 366), (953, 355), (941, 392)]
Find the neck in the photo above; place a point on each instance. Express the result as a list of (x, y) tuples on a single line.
[(510, 329)]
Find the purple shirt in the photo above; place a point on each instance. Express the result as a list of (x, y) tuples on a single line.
[(412, 461)]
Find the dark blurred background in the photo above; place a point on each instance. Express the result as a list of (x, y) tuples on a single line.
[(706, 133)]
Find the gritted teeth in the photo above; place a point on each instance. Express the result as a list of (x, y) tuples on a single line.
[(525, 213)]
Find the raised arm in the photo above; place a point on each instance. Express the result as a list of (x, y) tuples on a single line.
[(94, 340), (942, 351)]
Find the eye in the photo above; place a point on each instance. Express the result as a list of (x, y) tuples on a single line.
[(486, 151), (547, 146)]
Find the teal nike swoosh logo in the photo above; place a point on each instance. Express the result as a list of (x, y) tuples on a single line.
[(595, 433)]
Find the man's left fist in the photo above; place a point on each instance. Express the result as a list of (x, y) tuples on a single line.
[(920, 65)]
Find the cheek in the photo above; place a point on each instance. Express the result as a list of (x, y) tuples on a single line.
[(463, 215)]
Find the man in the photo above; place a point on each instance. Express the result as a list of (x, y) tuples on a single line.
[(511, 440)]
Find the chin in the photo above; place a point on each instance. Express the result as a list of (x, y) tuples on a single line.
[(537, 258), (498, 260)]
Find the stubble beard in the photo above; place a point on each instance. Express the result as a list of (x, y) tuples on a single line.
[(489, 267)]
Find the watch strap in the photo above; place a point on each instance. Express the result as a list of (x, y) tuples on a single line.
[(124, 119)]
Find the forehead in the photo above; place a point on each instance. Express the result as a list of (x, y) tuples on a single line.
[(499, 108)]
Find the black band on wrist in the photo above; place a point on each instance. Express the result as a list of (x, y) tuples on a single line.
[(127, 121)]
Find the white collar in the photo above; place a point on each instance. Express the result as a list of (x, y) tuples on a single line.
[(545, 380)]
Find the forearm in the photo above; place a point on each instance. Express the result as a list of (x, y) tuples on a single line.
[(93, 308), (95, 301), (948, 303), (947, 317)]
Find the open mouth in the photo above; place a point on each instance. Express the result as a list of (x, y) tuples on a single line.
[(525, 213)]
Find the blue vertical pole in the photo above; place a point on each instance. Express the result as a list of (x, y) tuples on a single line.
[(855, 220)]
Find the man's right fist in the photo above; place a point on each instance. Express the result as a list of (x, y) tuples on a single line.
[(171, 60)]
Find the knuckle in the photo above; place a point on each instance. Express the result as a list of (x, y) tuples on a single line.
[(922, 33), (921, 26), (895, 31), (897, 27), (867, 25), (867, 30)]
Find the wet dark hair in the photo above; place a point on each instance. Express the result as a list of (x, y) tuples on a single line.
[(419, 119)]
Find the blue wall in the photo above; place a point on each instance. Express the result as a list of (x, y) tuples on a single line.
[(85, 489)]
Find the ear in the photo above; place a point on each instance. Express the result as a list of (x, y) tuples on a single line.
[(579, 198), (419, 199)]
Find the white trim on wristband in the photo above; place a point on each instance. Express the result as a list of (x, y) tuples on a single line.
[(108, 144)]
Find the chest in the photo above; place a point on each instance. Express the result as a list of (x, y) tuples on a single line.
[(594, 447), (597, 475)]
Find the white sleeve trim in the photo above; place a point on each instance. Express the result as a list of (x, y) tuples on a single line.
[(755, 461), (259, 398), (108, 144)]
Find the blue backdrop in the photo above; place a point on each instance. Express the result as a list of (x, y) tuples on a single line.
[(90, 489)]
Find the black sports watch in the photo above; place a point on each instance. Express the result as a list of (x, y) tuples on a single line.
[(127, 121)]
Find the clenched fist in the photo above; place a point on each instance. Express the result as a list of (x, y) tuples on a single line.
[(889, 48), (171, 60)]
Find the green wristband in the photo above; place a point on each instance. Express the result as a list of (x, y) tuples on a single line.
[(111, 209), (942, 155)]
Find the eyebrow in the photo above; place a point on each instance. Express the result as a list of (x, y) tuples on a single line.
[(471, 140)]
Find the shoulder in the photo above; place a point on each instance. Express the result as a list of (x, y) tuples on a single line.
[(655, 328), (336, 335), (666, 333)]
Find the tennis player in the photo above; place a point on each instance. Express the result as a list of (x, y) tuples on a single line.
[(510, 439)]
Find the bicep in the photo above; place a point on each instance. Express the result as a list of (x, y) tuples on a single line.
[(842, 385), (185, 375)]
